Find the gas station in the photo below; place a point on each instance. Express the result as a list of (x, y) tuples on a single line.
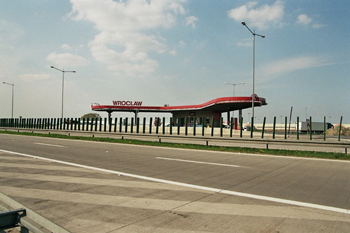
[(208, 110)]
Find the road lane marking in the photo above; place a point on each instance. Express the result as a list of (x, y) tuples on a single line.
[(216, 190), (45, 144), (191, 161)]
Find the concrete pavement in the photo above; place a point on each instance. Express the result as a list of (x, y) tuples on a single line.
[(81, 199)]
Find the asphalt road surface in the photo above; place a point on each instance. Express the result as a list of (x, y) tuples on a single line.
[(103, 187)]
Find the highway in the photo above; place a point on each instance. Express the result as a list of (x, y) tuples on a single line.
[(84, 186)]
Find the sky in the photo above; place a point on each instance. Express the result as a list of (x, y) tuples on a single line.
[(175, 52)]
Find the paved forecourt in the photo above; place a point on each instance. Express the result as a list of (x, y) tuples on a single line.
[(81, 198)]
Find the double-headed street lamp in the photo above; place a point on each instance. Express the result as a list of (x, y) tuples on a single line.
[(13, 90), (234, 86), (262, 36), (63, 71)]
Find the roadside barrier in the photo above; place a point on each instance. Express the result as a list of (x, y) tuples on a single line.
[(158, 126)]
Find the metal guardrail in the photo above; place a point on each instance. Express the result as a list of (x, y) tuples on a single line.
[(12, 219)]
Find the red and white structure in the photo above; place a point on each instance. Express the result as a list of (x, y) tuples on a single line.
[(213, 108)]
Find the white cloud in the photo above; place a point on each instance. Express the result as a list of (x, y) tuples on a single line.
[(66, 47), (304, 19), (293, 64), (261, 17), (316, 25), (191, 21), (34, 77), (66, 60), (245, 43), (125, 28)]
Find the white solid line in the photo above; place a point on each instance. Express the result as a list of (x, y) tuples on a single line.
[(44, 144), (191, 161), (265, 198)]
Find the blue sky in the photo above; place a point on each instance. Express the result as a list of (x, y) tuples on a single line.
[(175, 52)]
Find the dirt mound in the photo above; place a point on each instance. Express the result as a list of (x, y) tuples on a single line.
[(335, 131)]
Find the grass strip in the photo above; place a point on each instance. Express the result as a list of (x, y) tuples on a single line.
[(295, 153)]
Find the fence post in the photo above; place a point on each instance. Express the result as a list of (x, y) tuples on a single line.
[(144, 125), (324, 128), (157, 125), (274, 128), (178, 126), (221, 122), (241, 127), (137, 125), (231, 127), (126, 124), (285, 128), (252, 127), (163, 125), (203, 125), (297, 128), (263, 129), (194, 126), (341, 119), (171, 126), (150, 125), (212, 126), (186, 126), (310, 128), (132, 125)]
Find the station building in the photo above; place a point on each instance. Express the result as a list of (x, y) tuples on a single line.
[(208, 110)]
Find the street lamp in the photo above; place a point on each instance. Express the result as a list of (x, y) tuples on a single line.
[(262, 36), (63, 71), (13, 90), (306, 111), (234, 86)]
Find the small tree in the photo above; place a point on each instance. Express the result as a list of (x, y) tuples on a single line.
[(91, 116)]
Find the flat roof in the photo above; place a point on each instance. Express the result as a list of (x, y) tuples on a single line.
[(222, 104)]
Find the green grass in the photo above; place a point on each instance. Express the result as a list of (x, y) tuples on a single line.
[(296, 153)]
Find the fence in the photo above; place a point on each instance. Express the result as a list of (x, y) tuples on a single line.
[(135, 126)]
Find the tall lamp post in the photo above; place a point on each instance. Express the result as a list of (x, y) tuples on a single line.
[(262, 36), (13, 90), (63, 71), (234, 86)]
